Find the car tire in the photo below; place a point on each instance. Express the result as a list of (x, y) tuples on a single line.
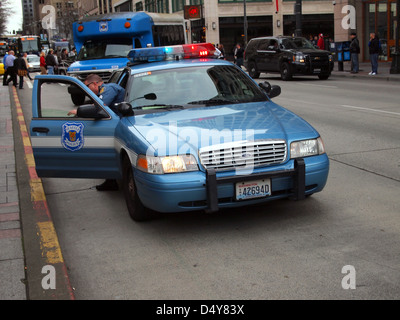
[(78, 99), (137, 211), (253, 71), (323, 77), (286, 74)]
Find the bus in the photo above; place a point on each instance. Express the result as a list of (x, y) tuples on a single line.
[(3, 47), (29, 44), (103, 41)]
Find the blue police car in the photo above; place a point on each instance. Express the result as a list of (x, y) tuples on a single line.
[(193, 133)]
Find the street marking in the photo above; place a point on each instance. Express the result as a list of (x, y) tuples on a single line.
[(29, 84), (368, 109), (50, 246), (317, 85)]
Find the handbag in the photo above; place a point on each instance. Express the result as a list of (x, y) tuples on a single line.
[(22, 73)]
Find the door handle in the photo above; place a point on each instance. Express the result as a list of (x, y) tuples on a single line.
[(40, 129)]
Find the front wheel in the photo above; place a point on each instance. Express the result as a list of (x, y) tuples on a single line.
[(136, 209), (286, 74), (323, 77), (253, 71)]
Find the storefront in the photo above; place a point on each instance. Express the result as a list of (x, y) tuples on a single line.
[(379, 17)]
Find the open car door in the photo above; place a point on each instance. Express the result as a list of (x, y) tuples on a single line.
[(68, 145)]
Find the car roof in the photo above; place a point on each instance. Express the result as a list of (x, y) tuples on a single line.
[(275, 37), (184, 63)]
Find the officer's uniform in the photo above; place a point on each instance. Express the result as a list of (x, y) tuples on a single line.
[(111, 93)]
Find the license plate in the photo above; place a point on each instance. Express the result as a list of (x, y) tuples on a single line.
[(253, 189), (317, 70)]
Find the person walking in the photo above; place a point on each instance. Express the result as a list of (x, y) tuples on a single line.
[(239, 55), (373, 45), (27, 64), (43, 69), (21, 69), (50, 62), (11, 71), (5, 69), (354, 52), (321, 42)]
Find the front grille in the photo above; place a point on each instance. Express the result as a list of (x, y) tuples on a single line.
[(319, 61), (243, 154)]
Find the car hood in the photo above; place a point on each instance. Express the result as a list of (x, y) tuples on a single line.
[(98, 64), (186, 131)]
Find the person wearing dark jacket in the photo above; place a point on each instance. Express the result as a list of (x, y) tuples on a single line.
[(373, 45), (22, 70), (51, 62), (354, 51)]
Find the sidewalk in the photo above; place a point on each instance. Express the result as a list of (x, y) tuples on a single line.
[(12, 261), (365, 68)]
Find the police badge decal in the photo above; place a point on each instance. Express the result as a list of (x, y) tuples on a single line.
[(72, 136)]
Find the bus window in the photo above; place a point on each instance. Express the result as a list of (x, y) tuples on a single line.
[(105, 48)]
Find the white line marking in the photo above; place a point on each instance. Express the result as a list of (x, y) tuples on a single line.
[(29, 84), (317, 85), (368, 109)]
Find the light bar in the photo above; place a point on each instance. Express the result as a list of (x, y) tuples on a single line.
[(185, 51)]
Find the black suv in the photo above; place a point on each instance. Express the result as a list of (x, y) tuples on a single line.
[(288, 55)]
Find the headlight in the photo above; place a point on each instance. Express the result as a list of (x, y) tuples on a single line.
[(168, 164), (305, 148), (299, 58)]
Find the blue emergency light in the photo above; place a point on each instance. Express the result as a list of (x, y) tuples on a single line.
[(185, 51)]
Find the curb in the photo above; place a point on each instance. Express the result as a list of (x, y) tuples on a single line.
[(39, 229)]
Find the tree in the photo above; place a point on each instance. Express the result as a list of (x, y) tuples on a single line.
[(5, 12)]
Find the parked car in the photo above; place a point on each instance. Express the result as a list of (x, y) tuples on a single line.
[(33, 62), (174, 147), (290, 56)]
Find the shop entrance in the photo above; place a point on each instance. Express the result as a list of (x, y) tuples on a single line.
[(380, 18)]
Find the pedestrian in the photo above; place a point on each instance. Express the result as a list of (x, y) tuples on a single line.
[(321, 42), (11, 71), (222, 50), (50, 62), (64, 54), (373, 45), (354, 52), (43, 67), (27, 64), (5, 69), (109, 93), (21, 68), (239, 55), (315, 41)]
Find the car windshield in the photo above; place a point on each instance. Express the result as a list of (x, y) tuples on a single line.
[(103, 49), (193, 86), (297, 43), (33, 59)]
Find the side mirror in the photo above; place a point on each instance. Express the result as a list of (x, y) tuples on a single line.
[(271, 91), (124, 109), (275, 91), (91, 111)]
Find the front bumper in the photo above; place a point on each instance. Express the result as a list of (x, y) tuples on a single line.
[(311, 69), (212, 191)]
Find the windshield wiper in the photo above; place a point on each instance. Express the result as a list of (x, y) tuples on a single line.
[(160, 106), (212, 101)]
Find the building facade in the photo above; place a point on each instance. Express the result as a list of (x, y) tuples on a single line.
[(223, 21)]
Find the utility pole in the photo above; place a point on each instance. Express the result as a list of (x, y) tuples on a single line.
[(244, 24), (297, 11), (395, 68)]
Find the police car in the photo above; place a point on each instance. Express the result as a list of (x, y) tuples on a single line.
[(194, 133)]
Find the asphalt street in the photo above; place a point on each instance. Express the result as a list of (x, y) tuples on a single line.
[(280, 250)]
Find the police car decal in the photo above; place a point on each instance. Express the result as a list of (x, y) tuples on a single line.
[(72, 136), (103, 26)]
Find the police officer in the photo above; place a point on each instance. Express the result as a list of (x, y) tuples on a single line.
[(110, 93)]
